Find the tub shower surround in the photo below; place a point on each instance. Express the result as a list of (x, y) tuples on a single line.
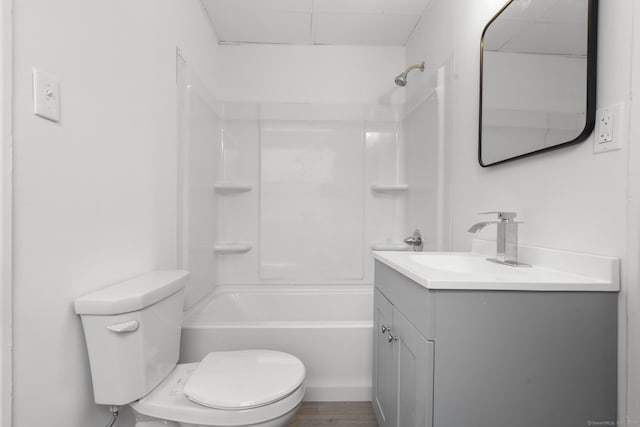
[(281, 205), (313, 215), (288, 193)]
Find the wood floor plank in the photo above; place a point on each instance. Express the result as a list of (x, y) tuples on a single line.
[(334, 414)]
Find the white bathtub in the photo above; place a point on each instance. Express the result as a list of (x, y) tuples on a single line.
[(328, 327)]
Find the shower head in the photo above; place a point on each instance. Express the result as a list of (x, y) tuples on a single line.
[(401, 79)]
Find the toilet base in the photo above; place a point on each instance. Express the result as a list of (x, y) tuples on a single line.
[(281, 421), (156, 423)]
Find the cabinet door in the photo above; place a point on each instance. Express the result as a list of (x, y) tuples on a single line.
[(414, 367), (384, 375)]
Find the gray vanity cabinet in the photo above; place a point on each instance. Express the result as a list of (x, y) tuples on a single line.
[(403, 369), (488, 358)]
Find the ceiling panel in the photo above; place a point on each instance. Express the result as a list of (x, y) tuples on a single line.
[(263, 27), (363, 29), (261, 5), (336, 22), (407, 7)]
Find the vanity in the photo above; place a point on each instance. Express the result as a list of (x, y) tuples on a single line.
[(460, 341)]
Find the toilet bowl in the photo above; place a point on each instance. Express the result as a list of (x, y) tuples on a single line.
[(133, 330)]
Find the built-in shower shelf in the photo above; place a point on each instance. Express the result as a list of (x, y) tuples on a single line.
[(232, 247), (389, 188), (232, 187), (389, 246)]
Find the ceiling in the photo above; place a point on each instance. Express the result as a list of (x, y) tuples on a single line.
[(308, 22), (553, 27)]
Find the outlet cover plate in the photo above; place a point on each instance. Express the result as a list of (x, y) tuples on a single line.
[(611, 128)]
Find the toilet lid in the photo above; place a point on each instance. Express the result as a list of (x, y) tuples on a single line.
[(244, 379)]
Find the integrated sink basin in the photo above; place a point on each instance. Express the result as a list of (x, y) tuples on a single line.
[(550, 270), (462, 263)]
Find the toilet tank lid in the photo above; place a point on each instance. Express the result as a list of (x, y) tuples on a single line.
[(133, 294)]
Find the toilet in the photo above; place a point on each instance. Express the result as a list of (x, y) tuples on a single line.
[(132, 330)]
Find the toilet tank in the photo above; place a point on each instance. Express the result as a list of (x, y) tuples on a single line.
[(132, 331)]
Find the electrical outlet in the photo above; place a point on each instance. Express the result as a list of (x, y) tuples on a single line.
[(611, 128), (605, 127)]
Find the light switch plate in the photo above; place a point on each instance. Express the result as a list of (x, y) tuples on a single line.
[(611, 128), (46, 95)]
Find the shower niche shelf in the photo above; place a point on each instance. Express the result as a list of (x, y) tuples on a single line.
[(389, 188), (232, 247), (227, 188), (389, 246)]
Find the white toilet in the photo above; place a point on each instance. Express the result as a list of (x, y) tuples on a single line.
[(133, 339)]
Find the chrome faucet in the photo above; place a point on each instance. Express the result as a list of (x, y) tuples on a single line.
[(507, 239), (415, 241)]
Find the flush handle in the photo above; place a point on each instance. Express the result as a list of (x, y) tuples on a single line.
[(129, 326)]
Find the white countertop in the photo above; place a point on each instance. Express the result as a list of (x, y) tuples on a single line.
[(551, 270)]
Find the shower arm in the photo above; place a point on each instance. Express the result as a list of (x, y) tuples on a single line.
[(401, 79), (413, 67)]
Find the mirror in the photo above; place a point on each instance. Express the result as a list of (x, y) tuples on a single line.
[(537, 78)]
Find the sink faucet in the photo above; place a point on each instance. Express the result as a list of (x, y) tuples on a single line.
[(507, 240)]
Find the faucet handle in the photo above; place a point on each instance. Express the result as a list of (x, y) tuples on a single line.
[(502, 216)]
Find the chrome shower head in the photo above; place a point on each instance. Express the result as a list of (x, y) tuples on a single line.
[(401, 79)]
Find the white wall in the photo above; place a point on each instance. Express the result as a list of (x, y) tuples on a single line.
[(95, 193), (6, 185), (431, 41), (309, 74), (632, 270), (569, 199)]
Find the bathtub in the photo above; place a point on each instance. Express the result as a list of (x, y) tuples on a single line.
[(328, 327)]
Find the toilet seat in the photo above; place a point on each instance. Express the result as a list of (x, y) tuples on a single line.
[(169, 402), (233, 380)]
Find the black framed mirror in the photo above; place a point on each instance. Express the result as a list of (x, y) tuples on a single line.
[(537, 78)]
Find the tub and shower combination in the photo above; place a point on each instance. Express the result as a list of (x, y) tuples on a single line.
[(280, 205), (328, 327)]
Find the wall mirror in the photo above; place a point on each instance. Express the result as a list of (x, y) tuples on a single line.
[(537, 78)]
